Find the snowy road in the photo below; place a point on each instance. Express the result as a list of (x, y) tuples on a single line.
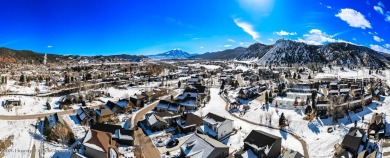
[(217, 105)]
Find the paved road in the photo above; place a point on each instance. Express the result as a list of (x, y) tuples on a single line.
[(147, 147), (304, 146), (36, 116)]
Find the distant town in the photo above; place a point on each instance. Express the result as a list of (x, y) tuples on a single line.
[(193, 108)]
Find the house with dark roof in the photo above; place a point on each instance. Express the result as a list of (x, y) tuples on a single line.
[(263, 144), (189, 122), (126, 105), (100, 144), (216, 126), (247, 93), (377, 124), (10, 103), (199, 145), (86, 116), (189, 103), (354, 142), (138, 100), (292, 154), (165, 105), (121, 135), (115, 108), (103, 115), (162, 120), (149, 96)]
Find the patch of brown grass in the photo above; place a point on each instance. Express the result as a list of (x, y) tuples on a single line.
[(4, 144)]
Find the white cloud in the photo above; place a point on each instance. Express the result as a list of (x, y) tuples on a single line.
[(353, 18), (271, 39), (329, 7), (381, 4), (387, 45), (378, 39), (231, 40), (379, 48), (387, 17), (248, 28), (227, 45), (49, 46), (316, 37), (285, 33), (378, 9), (354, 39), (201, 47)]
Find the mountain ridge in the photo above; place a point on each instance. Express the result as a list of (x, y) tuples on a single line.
[(290, 52)]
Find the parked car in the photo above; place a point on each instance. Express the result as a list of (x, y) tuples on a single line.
[(173, 143)]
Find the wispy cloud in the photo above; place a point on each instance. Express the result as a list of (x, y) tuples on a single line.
[(329, 7), (231, 40), (271, 39), (378, 39), (227, 45), (387, 45), (379, 9), (285, 33), (247, 27), (49, 46), (387, 17), (353, 18), (379, 48), (201, 47)]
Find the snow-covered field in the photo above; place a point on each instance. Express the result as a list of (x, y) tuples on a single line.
[(217, 106), (30, 105)]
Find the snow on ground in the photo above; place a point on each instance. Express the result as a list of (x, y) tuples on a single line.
[(30, 105), (15, 88), (217, 106), (23, 131), (127, 152), (320, 143)]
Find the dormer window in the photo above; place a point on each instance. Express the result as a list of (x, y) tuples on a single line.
[(190, 144)]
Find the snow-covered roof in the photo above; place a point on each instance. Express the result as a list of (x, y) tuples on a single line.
[(199, 145)]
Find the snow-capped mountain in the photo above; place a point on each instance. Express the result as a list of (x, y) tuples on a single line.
[(172, 54), (290, 52)]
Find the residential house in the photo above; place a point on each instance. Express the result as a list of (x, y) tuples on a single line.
[(199, 145), (189, 103), (163, 105), (125, 105), (100, 144), (149, 96), (322, 108), (292, 154), (138, 100), (161, 120), (216, 126), (354, 142), (121, 135), (377, 124), (189, 122), (9, 104), (115, 108), (104, 115), (86, 116), (263, 144), (247, 93)]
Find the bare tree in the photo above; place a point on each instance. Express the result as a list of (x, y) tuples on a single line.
[(60, 131)]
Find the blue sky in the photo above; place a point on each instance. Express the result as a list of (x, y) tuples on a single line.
[(97, 27)]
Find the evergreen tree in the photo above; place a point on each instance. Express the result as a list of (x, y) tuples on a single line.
[(21, 79), (266, 96), (282, 120), (46, 127), (179, 84), (295, 75), (309, 77), (270, 94), (48, 106), (308, 110)]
